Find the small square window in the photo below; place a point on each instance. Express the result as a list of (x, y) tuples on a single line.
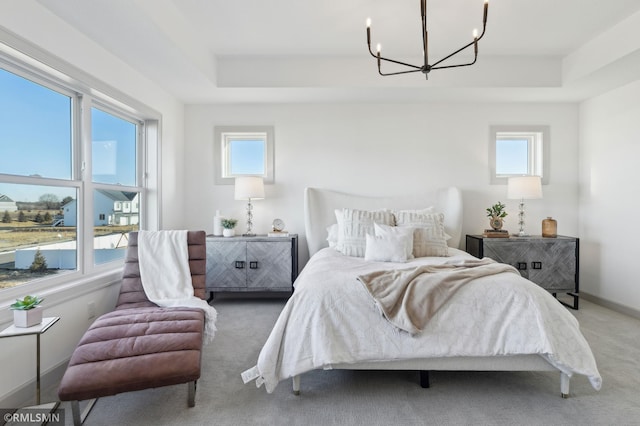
[(243, 151), (518, 151)]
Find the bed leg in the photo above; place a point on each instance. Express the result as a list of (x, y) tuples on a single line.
[(564, 385), (424, 379), (296, 385)]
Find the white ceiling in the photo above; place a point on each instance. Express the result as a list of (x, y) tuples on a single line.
[(310, 51)]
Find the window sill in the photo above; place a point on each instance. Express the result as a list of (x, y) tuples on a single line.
[(56, 293)]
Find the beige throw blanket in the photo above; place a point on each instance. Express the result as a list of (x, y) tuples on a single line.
[(408, 298)]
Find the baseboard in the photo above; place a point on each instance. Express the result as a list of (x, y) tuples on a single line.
[(611, 305), (25, 395)]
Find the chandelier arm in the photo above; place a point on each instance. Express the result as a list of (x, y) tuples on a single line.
[(452, 54), (396, 73), (453, 66), (400, 63)]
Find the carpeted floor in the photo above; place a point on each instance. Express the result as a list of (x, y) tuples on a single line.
[(387, 398)]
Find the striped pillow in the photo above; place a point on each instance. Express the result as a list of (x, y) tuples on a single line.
[(353, 227)]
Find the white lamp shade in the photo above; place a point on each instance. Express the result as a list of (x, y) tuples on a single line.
[(524, 187), (249, 187)]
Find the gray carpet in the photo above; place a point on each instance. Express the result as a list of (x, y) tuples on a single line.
[(387, 398)]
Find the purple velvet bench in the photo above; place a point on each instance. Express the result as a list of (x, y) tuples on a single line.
[(139, 345)]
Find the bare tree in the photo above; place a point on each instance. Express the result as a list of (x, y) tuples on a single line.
[(50, 200)]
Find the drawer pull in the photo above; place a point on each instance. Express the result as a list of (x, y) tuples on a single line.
[(522, 266), (536, 265), (239, 264), (253, 264)]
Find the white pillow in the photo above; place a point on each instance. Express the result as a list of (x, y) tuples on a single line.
[(385, 249), (332, 235), (406, 232), (429, 238), (354, 225)]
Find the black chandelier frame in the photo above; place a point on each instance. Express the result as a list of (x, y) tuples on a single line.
[(426, 67)]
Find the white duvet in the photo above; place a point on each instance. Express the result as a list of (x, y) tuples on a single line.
[(331, 319)]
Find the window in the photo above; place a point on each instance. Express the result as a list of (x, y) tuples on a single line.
[(71, 184), (242, 151), (519, 151)]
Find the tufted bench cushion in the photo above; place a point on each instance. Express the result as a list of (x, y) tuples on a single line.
[(134, 349)]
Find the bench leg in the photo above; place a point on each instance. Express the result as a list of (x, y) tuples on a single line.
[(75, 413), (191, 398), (78, 419)]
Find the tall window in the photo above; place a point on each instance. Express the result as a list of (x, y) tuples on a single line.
[(70, 182)]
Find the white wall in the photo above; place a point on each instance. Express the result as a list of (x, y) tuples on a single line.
[(381, 149), (32, 22), (609, 202)]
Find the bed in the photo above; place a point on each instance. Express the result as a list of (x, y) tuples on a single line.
[(500, 322)]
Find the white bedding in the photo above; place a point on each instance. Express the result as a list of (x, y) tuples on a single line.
[(331, 319)]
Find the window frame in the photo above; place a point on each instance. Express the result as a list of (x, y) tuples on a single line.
[(30, 62), (221, 155), (538, 137)]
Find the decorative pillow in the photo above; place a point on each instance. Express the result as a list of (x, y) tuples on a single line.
[(390, 248), (354, 225), (406, 232), (426, 210), (429, 238), (332, 235)]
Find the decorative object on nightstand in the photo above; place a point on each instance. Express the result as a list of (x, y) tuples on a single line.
[(277, 229), (217, 224), (524, 188), (549, 227), (249, 188), (26, 312), (552, 263), (496, 214), (228, 226)]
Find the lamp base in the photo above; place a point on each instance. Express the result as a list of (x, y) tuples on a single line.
[(248, 235), (521, 234)]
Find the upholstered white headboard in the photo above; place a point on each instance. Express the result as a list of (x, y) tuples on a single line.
[(319, 206)]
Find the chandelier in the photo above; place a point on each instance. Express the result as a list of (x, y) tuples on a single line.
[(426, 67)]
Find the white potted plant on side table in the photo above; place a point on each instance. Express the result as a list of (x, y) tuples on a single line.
[(228, 226), (26, 311)]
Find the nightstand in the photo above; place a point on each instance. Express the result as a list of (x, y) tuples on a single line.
[(252, 264), (552, 263)]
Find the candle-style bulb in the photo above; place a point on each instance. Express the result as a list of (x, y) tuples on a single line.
[(475, 33), (368, 22), (378, 48)]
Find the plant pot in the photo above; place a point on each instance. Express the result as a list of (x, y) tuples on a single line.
[(496, 223), (228, 232), (27, 318)]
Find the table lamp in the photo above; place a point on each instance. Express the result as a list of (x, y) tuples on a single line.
[(249, 188), (524, 188)]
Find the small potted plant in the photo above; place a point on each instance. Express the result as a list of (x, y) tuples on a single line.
[(26, 311), (496, 213), (228, 226)]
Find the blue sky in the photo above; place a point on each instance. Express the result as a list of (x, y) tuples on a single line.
[(35, 134)]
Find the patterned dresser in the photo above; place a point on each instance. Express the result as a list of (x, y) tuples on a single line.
[(552, 263), (245, 264)]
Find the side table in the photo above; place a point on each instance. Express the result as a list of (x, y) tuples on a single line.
[(37, 329)]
